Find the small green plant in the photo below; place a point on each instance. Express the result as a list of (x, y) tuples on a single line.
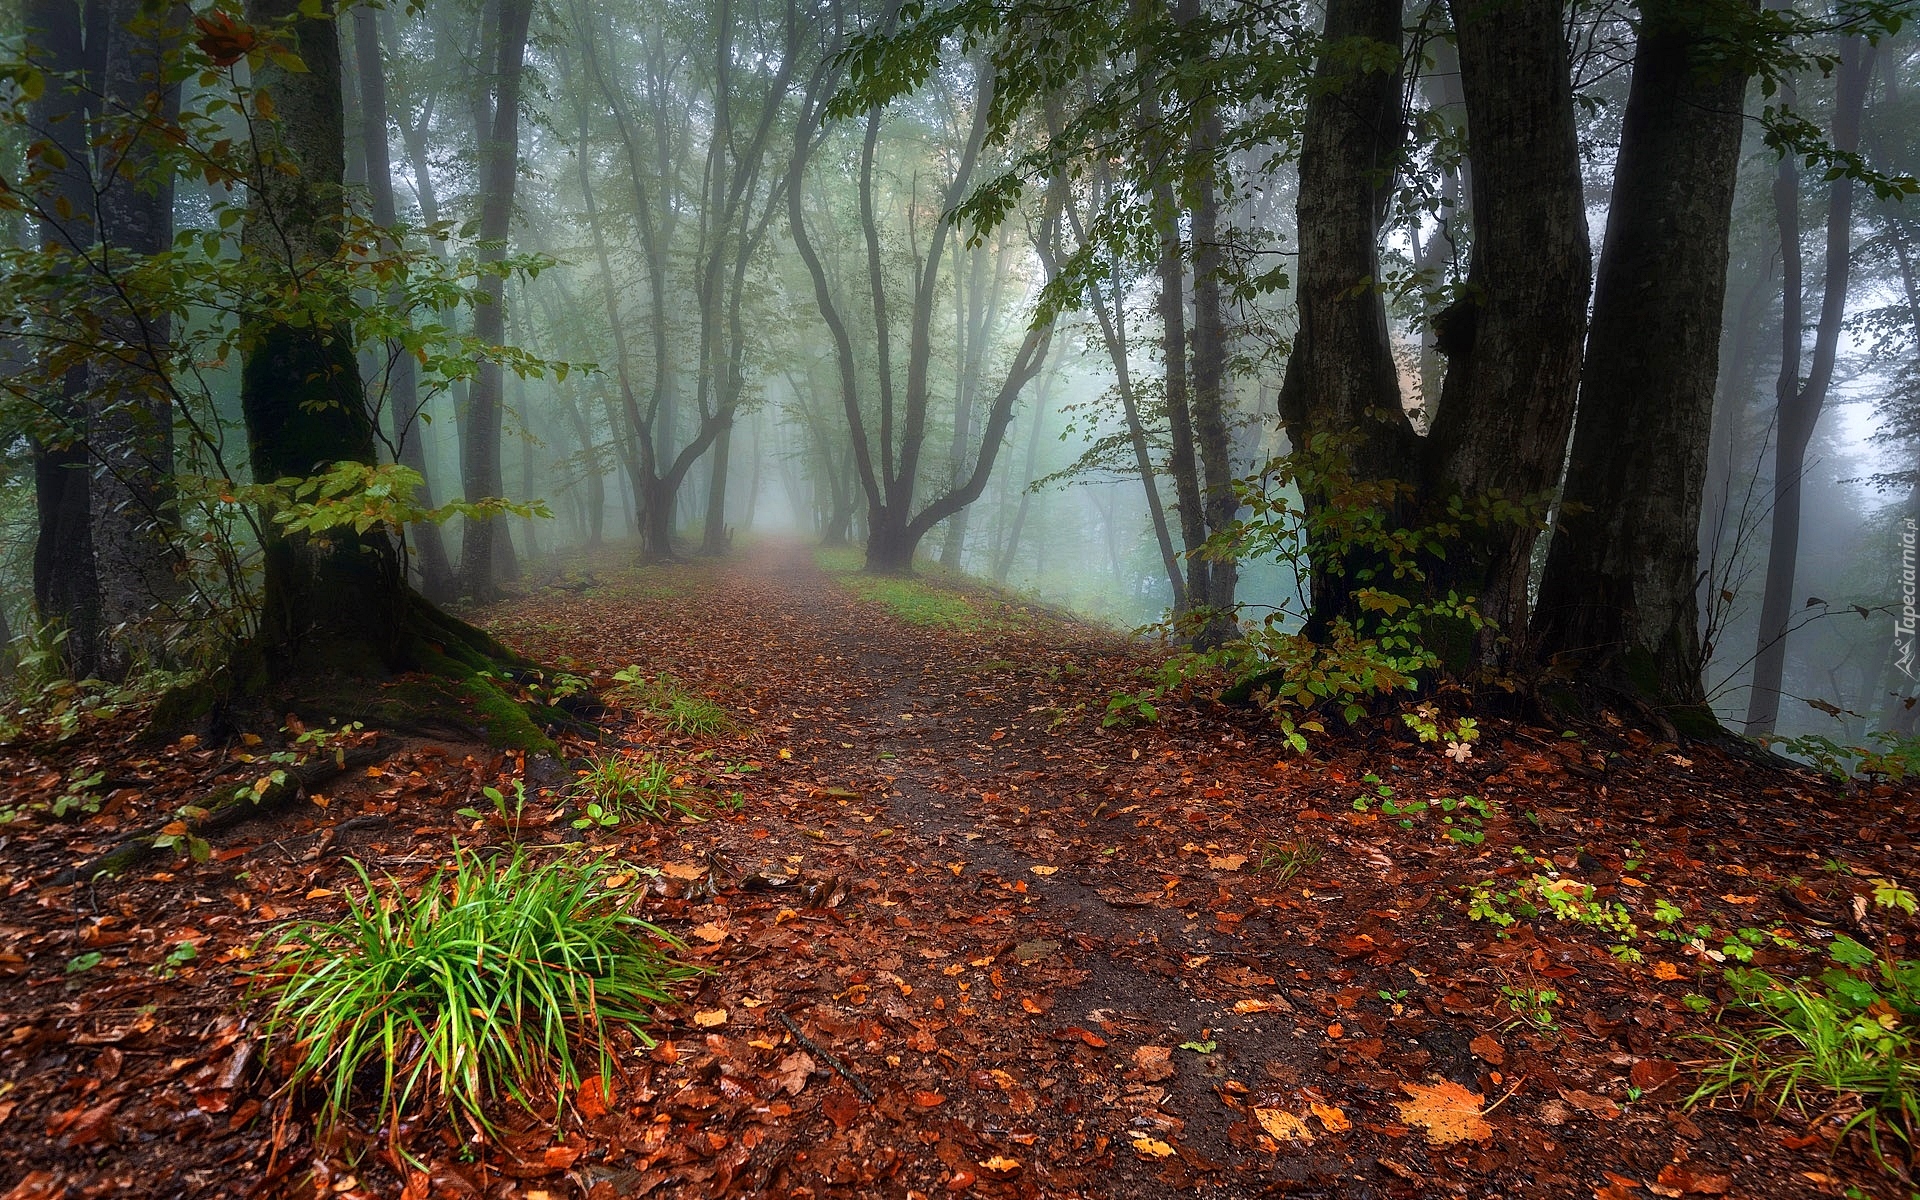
[(498, 977), (1843, 1046), (509, 811), (80, 964), (1890, 756), (681, 711), (619, 788), (1533, 1005), (1125, 709), (1288, 859), (180, 956)]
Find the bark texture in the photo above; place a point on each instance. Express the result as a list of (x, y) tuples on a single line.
[(1619, 600)]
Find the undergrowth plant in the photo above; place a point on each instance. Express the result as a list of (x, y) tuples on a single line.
[(616, 788), (1842, 1047), (1387, 640), (499, 977), (679, 710)]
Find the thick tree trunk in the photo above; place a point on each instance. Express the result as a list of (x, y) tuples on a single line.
[(499, 137), (1800, 402), (1620, 595), (403, 375), (1340, 398), (1506, 407), (66, 589), (335, 599)]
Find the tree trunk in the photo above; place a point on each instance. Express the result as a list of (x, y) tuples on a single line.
[(1800, 403), (332, 599), (403, 375), (499, 158), (717, 538), (1506, 407), (1210, 394), (1340, 398), (1620, 597), (66, 589)]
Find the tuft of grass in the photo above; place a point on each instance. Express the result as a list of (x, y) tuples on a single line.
[(621, 787), (682, 711), (1288, 859), (1842, 1049), (495, 979)]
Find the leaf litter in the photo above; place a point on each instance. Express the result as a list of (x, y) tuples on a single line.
[(956, 954)]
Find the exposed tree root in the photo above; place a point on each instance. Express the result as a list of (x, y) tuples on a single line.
[(441, 678), (225, 810)]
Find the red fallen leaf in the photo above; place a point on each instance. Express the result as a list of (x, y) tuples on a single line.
[(1487, 1048), (961, 1181), (94, 1125), (38, 1185), (1651, 1073), (1801, 1141), (417, 1186), (1678, 1179), (1075, 1033), (561, 1157), (593, 1101), (929, 1099), (841, 1106)]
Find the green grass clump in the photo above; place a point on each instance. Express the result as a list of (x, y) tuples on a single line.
[(620, 788), (1844, 1047), (918, 603), (495, 979), (683, 712)]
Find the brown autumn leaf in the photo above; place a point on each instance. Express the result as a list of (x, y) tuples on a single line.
[(1487, 1048), (1155, 1062), (793, 1071), (1446, 1110), (841, 1106)]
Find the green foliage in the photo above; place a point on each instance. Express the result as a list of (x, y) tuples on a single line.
[(1842, 1047), (1533, 1005), (617, 788), (1891, 756), (1287, 860), (496, 978), (1387, 642), (681, 711)]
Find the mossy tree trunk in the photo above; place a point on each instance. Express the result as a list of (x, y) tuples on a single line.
[(336, 610)]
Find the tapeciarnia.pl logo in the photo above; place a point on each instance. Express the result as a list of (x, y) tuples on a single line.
[(1904, 625)]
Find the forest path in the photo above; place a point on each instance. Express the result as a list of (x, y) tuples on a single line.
[(963, 939), (1065, 959)]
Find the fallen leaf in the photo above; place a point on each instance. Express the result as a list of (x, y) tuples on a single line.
[(559, 1158), (1044, 871), (677, 870), (710, 933), (1651, 1073), (710, 1018), (929, 1099), (1283, 1126), (1335, 1120), (1244, 1007), (1599, 1106), (1487, 1048), (594, 1098), (793, 1071), (841, 1107), (1678, 1179), (1147, 1147), (1000, 1164), (1155, 1062), (1665, 970), (1446, 1110), (1227, 862)]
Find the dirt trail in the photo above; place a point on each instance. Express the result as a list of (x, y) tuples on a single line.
[(964, 940), (1057, 948)]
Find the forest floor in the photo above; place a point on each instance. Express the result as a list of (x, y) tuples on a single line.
[(964, 940)]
